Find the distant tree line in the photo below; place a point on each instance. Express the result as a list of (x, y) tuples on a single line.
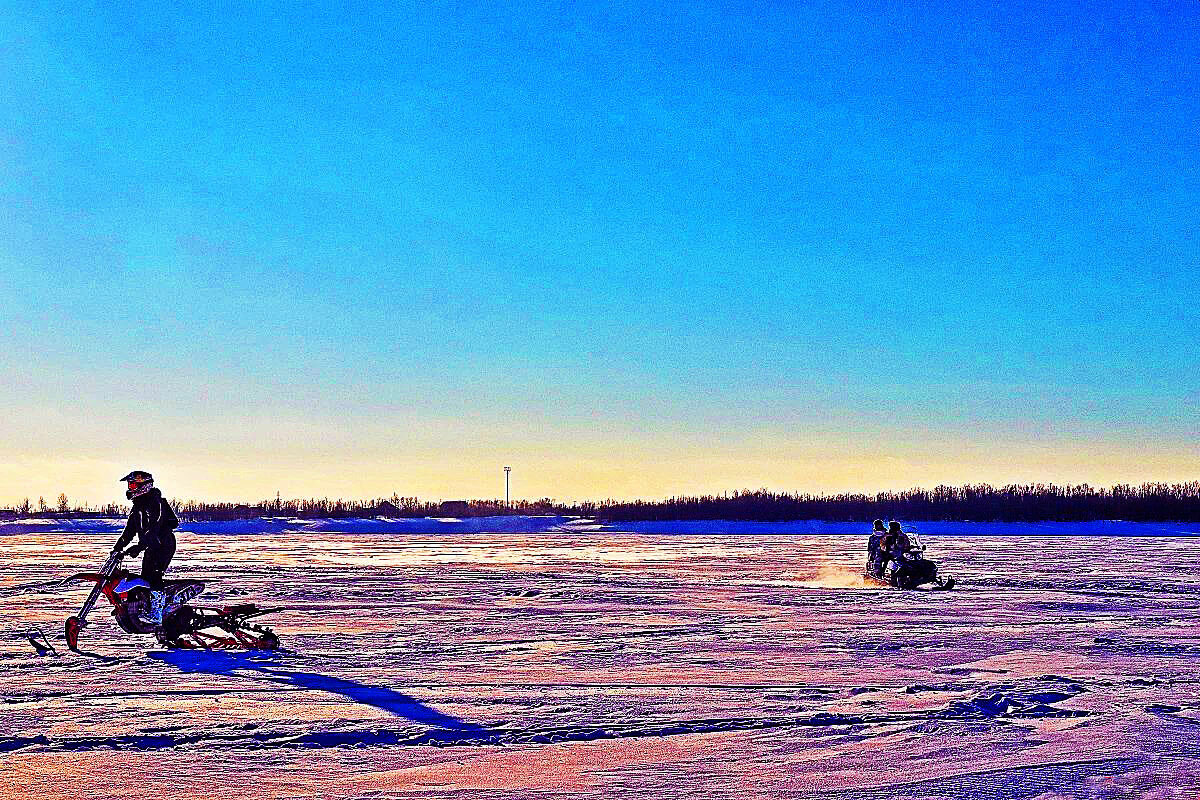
[(62, 508), (1147, 502), (394, 506), (312, 508)]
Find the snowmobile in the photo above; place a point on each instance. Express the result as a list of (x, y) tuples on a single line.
[(180, 626), (913, 570)]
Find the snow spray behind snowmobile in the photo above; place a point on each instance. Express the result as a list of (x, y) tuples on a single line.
[(913, 569), (182, 626)]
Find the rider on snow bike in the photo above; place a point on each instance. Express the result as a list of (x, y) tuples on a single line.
[(153, 522), (147, 604)]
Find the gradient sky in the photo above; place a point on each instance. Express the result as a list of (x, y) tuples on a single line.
[(347, 249)]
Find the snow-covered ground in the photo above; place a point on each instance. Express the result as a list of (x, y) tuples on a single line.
[(567, 661)]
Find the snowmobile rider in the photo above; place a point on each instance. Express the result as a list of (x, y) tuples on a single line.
[(895, 545), (154, 524), (875, 549)]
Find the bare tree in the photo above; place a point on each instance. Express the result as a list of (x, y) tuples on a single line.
[(63, 506)]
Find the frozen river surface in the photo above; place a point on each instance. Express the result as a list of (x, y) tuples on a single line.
[(579, 664)]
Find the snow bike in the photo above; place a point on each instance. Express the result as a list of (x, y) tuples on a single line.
[(911, 571), (180, 626)]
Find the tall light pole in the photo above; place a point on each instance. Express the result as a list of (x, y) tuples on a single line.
[(506, 471)]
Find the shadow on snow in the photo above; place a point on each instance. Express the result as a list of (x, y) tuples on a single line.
[(242, 664)]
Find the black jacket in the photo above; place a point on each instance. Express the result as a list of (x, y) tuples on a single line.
[(896, 542), (873, 543), (151, 520)]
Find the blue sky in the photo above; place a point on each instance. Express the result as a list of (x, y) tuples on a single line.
[(630, 249)]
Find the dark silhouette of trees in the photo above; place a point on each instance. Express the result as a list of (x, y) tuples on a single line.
[(1147, 502), (394, 506)]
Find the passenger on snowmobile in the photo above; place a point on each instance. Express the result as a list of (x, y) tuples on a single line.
[(875, 549), (154, 524)]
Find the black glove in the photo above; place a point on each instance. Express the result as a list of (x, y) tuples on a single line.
[(134, 551)]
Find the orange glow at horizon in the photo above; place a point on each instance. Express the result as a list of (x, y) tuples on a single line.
[(649, 471)]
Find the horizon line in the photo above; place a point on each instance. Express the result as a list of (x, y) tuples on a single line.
[(87, 505)]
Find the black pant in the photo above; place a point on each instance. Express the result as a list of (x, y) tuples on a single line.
[(155, 560)]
